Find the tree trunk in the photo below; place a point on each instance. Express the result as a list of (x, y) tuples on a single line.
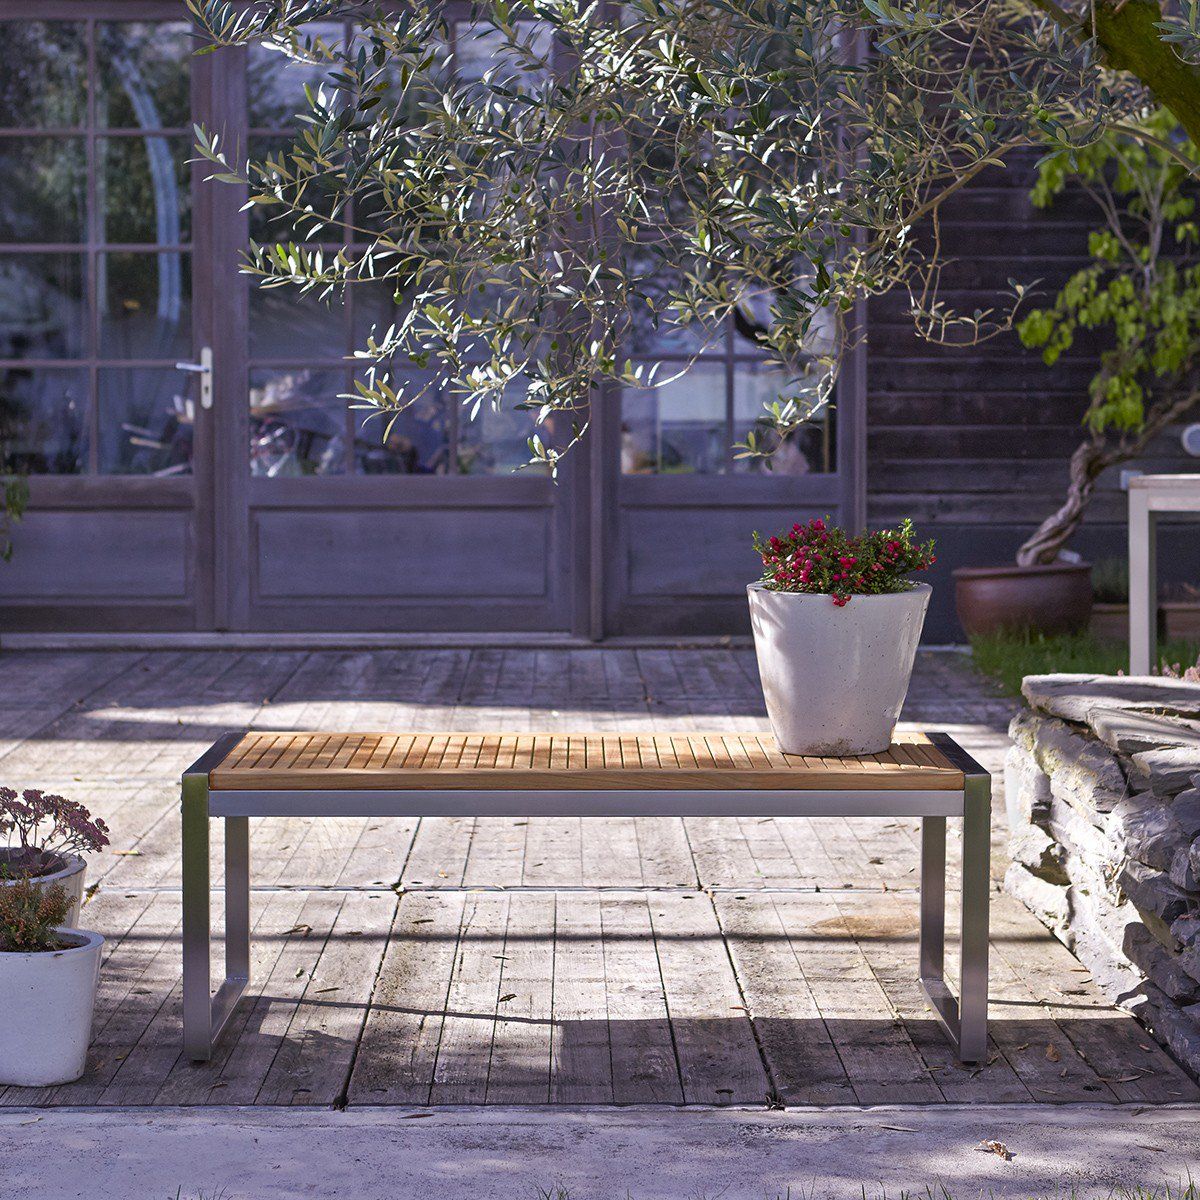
[(1127, 34), (1088, 461)]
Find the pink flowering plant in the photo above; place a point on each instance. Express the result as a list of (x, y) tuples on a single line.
[(828, 561), (42, 830)]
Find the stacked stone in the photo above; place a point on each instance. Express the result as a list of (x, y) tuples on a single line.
[(1102, 788)]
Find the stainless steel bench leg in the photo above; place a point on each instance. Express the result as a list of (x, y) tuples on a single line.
[(963, 1017), (197, 975), (933, 899), (976, 901), (237, 899), (205, 1015)]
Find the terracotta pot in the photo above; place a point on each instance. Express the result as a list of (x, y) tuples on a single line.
[(1050, 599), (1181, 618), (1110, 621)]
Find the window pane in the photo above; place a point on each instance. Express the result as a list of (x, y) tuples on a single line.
[(42, 190), (144, 70), (668, 337), (271, 223), (413, 442), (275, 83), (144, 190), (809, 449), (286, 323), (297, 423), (497, 443), (147, 305), (146, 422), (43, 420), (481, 47), (678, 428), (43, 74), (41, 306), (375, 309)]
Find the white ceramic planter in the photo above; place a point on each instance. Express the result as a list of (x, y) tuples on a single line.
[(47, 1001), (71, 878), (834, 679)]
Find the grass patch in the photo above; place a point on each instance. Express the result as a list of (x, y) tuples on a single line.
[(1009, 657)]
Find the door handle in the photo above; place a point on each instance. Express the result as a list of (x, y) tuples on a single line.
[(203, 368)]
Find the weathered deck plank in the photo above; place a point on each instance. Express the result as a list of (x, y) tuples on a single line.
[(399, 1048)]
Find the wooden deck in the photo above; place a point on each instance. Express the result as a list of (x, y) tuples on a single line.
[(502, 960)]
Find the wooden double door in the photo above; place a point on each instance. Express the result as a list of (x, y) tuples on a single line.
[(240, 491)]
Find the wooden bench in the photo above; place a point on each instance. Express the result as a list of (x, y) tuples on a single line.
[(277, 774)]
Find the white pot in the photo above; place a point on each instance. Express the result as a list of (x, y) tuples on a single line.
[(834, 679), (47, 1001), (70, 876)]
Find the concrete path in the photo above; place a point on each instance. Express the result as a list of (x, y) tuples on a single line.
[(593, 1154)]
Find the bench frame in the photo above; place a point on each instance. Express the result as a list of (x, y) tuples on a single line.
[(964, 1018)]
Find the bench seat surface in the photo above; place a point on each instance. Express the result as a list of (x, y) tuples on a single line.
[(284, 761)]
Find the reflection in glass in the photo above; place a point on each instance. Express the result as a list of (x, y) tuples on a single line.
[(375, 308), (275, 82), (43, 73), (143, 191), (271, 223), (497, 443), (678, 428), (146, 304), (144, 74), (297, 423), (41, 306), (480, 48), (286, 323), (146, 422), (415, 441), (668, 336), (809, 449), (43, 420), (42, 189)]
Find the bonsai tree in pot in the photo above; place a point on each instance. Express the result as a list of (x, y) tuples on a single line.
[(1138, 302), (48, 977), (47, 836), (836, 623)]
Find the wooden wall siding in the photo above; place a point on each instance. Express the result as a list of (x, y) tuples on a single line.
[(980, 436)]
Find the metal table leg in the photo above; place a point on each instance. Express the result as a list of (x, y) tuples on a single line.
[(1143, 583)]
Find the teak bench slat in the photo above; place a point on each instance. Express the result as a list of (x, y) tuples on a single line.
[(612, 762)]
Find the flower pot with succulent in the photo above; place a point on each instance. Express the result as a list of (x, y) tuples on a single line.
[(836, 623), (48, 976), (47, 836)]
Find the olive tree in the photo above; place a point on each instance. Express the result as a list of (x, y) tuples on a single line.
[(677, 163)]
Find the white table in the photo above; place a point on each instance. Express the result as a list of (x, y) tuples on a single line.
[(1150, 495)]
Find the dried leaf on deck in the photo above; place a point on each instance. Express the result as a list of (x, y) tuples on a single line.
[(999, 1149)]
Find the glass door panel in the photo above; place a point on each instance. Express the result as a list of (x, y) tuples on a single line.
[(96, 308)]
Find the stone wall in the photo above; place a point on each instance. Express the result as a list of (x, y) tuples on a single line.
[(1102, 788)]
